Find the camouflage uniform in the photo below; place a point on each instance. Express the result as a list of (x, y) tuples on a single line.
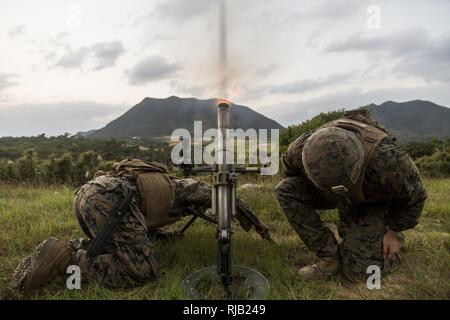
[(361, 226), (128, 259)]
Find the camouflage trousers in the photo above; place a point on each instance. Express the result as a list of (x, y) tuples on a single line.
[(127, 260), (362, 228)]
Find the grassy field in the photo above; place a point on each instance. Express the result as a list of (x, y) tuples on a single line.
[(29, 215)]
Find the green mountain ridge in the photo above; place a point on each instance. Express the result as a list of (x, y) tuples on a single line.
[(159, 117), (413, 120), (153, 118)]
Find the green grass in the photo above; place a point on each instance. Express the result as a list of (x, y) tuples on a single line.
[(30, 215)]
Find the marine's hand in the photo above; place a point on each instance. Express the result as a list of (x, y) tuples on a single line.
[(166, 235), (391, 244)]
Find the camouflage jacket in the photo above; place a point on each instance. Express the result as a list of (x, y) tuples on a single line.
[(187, 193), (390, 172)]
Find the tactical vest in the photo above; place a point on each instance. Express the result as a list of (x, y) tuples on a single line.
[(156, 189), (370, 133)]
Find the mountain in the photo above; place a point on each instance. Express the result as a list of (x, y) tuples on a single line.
[(159, 117), (84, 133), (413, 120)]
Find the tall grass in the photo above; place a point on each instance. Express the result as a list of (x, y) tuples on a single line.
[(29, 215)]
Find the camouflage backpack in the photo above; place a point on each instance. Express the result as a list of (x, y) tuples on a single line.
[(156, 189)]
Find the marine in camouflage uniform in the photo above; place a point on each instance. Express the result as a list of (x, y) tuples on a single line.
[(128, 258), (389, 172)]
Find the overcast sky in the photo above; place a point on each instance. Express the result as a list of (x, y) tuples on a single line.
[(74, 65)]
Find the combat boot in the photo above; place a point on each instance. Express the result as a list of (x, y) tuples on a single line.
[(324, 267), (49, 261)]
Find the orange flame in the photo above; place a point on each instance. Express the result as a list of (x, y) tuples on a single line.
[(219, 101), (232, 95)]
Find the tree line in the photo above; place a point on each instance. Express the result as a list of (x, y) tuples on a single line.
[(74, 160), (432, 157), (70, 160)]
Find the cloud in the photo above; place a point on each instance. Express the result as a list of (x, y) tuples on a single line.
[(396, 43), (18, 31), (413, 50), (73, 59), (198, 91), (7, 80), (265, 71), (151, 69), (107, 53), (325, 11), (432, 63), (298, 87), (250, 92), (337, 9), (182, 10), (56, 118), (100, 56)]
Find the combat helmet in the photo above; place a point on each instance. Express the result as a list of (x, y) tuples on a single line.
[(333, 159)]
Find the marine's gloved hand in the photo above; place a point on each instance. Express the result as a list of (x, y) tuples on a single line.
[(165, 235), (391, 244), (244, 221)]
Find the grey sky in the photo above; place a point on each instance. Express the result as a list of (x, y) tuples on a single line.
[(102, 55), (151, 69), (75, 65)]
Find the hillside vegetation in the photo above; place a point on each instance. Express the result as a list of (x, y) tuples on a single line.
[(409, 121), (74, 160), (413, 120), (160, 117), (431, 156), (70, 160)]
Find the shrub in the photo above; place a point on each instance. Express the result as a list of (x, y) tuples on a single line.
[(85, 167), (27, 169), (60, 169), (293, 132), (435, 166), (7, 171)]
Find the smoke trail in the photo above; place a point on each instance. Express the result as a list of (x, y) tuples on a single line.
[(223, 68)]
